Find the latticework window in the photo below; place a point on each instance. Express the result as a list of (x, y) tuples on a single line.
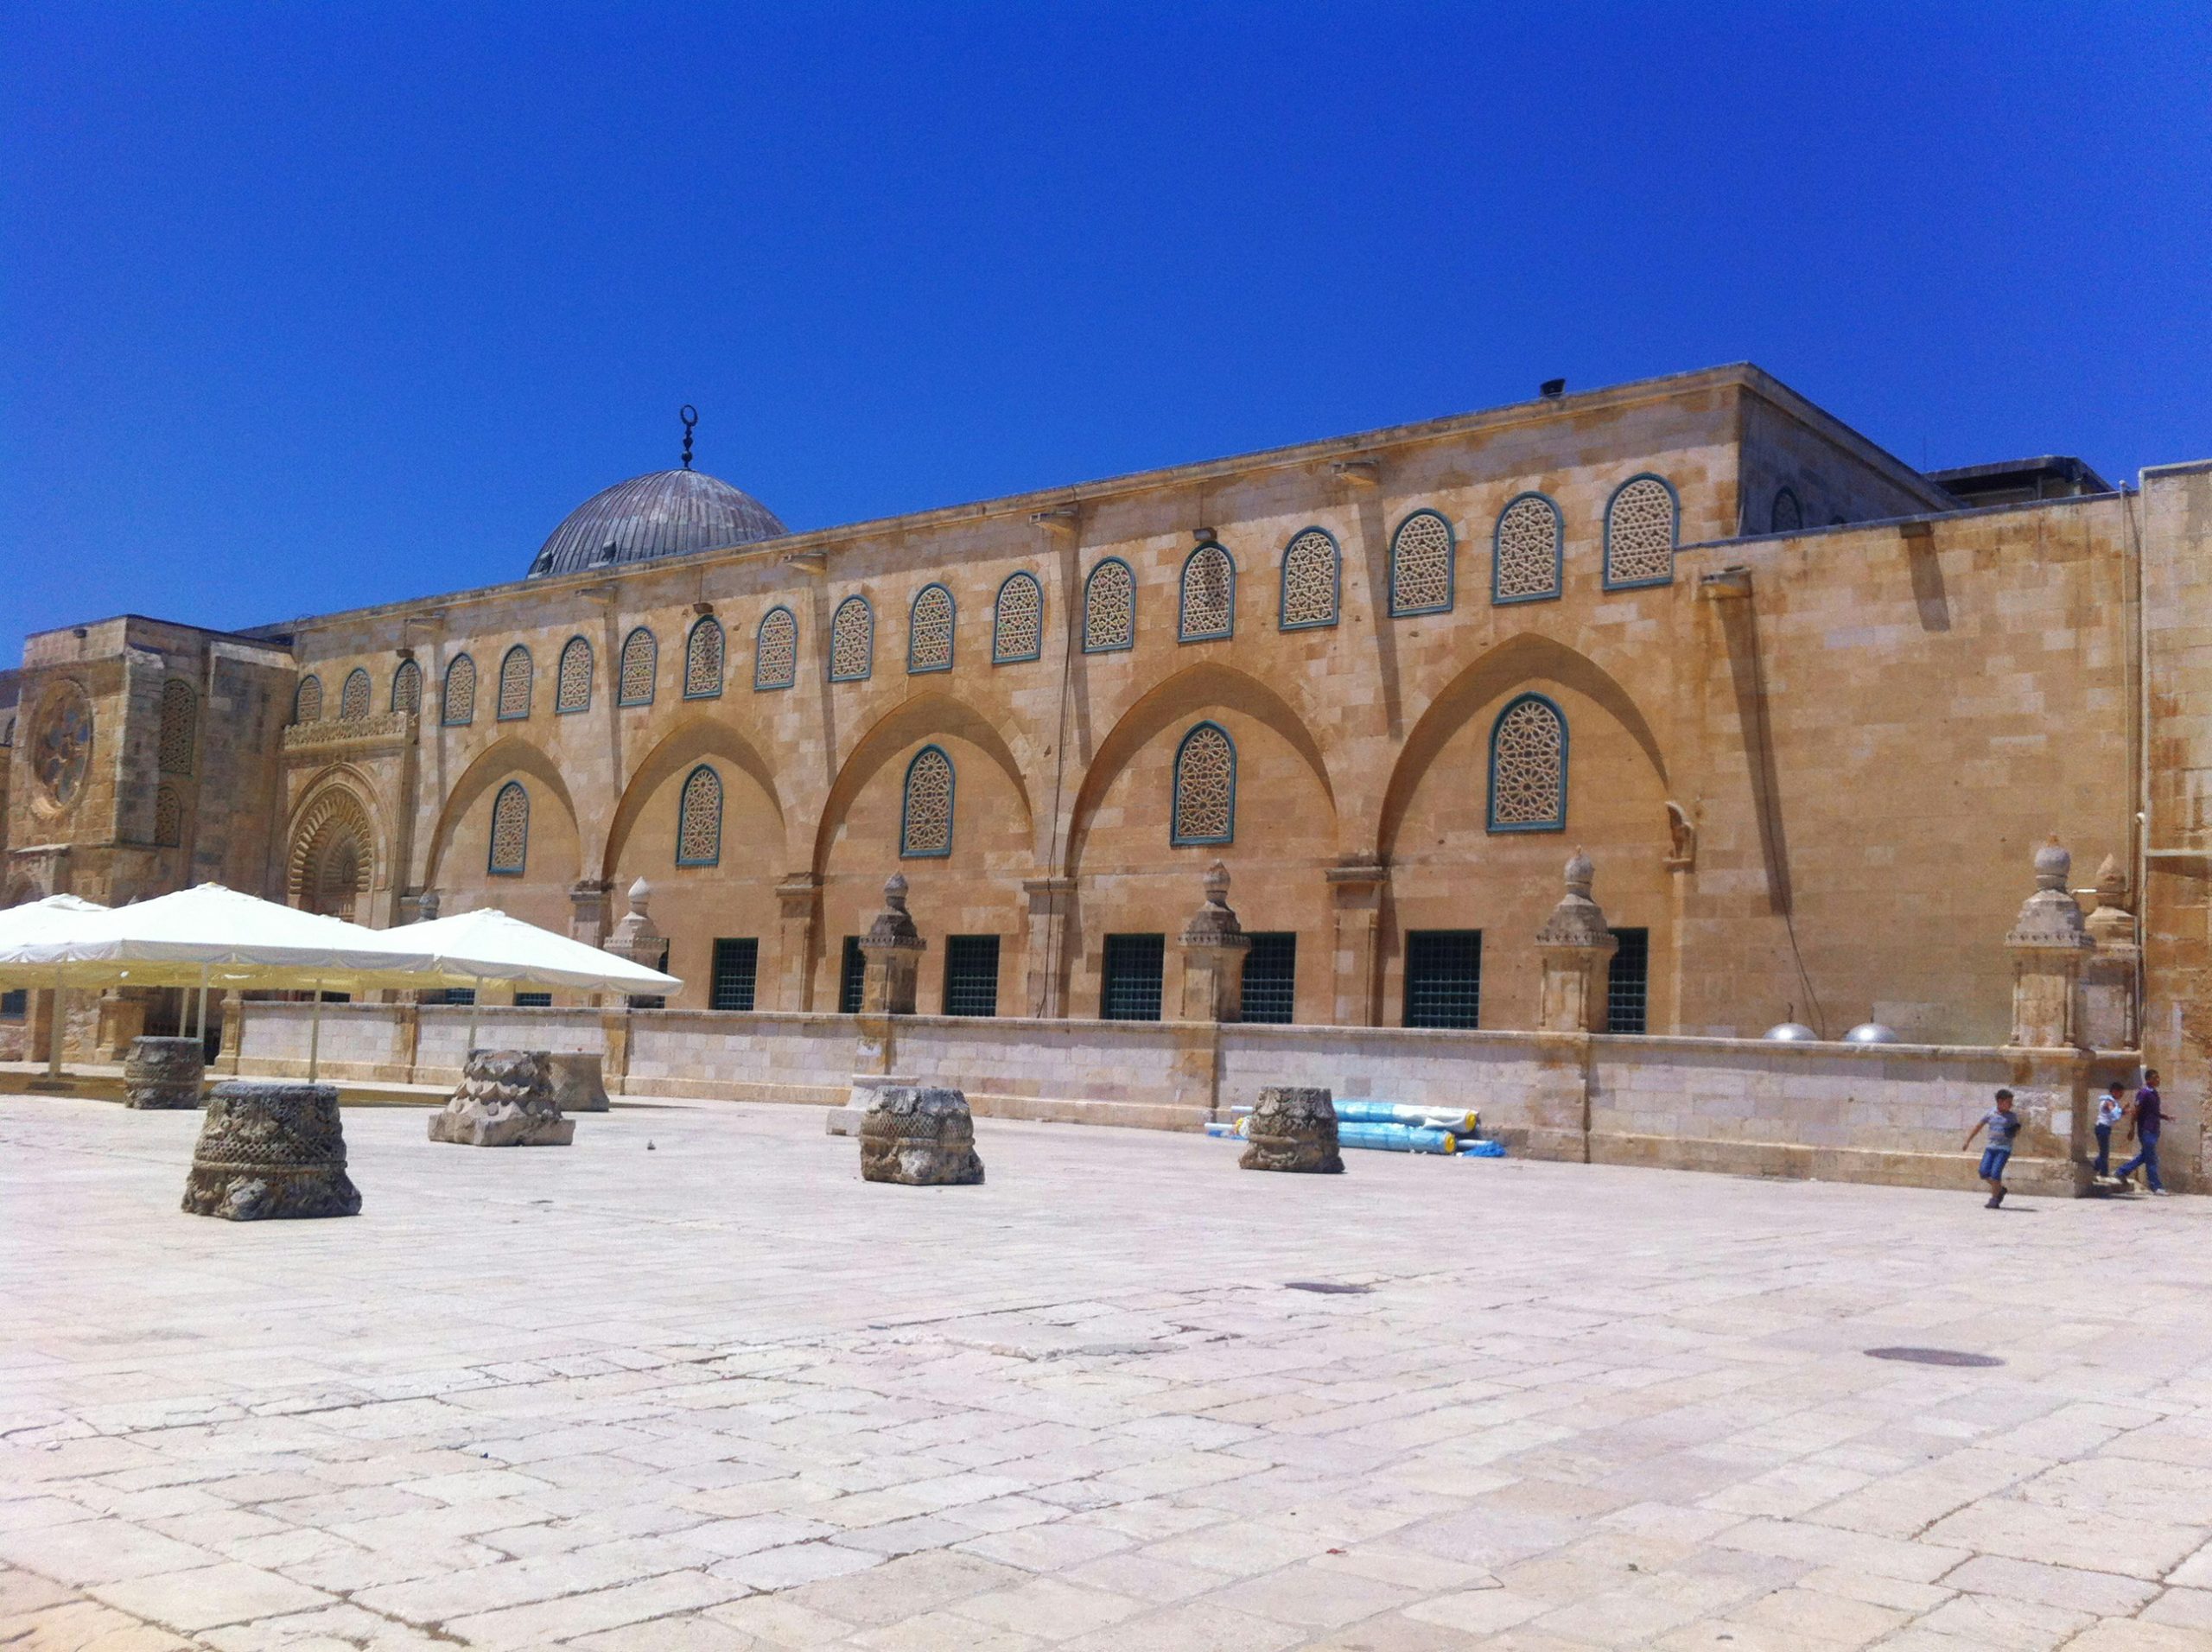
[(775, 650), (515, 675), (925, 817), (1787, 515), (1525, 557), (1018, 620), (1527, 767), (307, 703), (1205, 786), (852, 640), (460, 692), (1420, 564), (510, 830), (702, 660), (699, 819), (1110, 607), (174, 751), (572, 682), (407, 688), (1310, 580), (168, 818), (1208, 608), (640, 658), (1640, 526), (929, 629), (353, 697)]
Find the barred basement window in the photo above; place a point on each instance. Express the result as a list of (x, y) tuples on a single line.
[(1270, 977), (852, 641), (1627, 988), (640, 662), (1444, 978), (852, 978), (510, 831), (174, 750), (1787, 515), (971, 974), (307, 701), (168, 818), (702, 660), (925, 815), (1130, 977), (736, 974), (533, 1000), (460, 692), (1110, 607), (572, 686), (1205, 786), (1018, 620), (407, 688), (1641, 522), (1525, 552), (929, 631), (1312, 580), (699, 819), (15, 1004), (515, 678), (1527, 767), (775, 650), (1208, 608), (1421, 558)]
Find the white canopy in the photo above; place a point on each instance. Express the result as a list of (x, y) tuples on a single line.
[(37, 919), (489, 945)]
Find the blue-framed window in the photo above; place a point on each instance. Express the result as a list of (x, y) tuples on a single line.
[(572, 682), (1527, 767), (931, 623), (1424, 573), (509, 851), (1312, 581), (407, 688), (352, 697), (1110, 607), (775, 650), (1205, 787), (1207, 607), (699, 818), (1018, 620), (1528, 550), (925, 806), (702, 660), (640, 665), (307, 700), (1787, 515), (458, 707), (852, 641), (1643, 522), (515, 680)]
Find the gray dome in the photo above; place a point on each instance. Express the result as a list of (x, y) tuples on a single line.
[(665, 514)]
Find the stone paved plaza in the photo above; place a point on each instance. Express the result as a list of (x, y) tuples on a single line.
[(691, 1385)]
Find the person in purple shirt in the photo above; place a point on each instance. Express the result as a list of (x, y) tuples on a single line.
[(2145, 1120)]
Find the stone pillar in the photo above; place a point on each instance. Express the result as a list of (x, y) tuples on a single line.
[(2111, 1003), (226, 1053), (121, 1019), (800, 897), (2048, 943), (1214, 946), (1051, 905), (588, 909), (1578, 954), (1357, 892), (894, 948), (636, 937)]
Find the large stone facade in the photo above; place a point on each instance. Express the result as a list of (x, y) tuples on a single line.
[(1389, 681)]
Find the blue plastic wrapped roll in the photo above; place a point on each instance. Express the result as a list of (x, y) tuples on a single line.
[(1395, 1138), (1482, 1150), (1459, 1120)]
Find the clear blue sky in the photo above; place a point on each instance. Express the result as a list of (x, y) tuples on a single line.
[(312, 305)]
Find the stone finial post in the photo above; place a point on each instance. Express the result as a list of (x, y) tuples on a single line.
[(2111, 1006), (2048, 943), (1578, 953), (1214, 946), (427, 904), (588, 909), (636, 937), (892, 948)]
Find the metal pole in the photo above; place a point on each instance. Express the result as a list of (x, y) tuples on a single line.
[(200, 1015), (60, 1020), (469, 1049), (314, 1034)]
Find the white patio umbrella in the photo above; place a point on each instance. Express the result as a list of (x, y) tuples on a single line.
[(489, 945), (37, 920)]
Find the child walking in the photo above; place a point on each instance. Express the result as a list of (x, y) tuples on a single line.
[(2002, 1124), (2112, 1107)]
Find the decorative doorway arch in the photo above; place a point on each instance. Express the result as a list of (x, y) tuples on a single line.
[(332, 867)]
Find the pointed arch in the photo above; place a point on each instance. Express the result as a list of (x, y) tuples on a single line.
[(335, 851), (697, 739), (506, 758), (927, 714)]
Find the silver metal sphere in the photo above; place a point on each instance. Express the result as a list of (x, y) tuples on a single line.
[(1792, 1033), (1870, 1033)]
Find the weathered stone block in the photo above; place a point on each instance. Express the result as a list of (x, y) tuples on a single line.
[(922, 1136), (505, 1100), (164, 1073), (270, 1151), (577, 1084), (1293, 1128)]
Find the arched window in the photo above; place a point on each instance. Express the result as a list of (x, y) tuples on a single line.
[(852, 640), (168, 818), (510, 831), (174, 751), (460, 692), (926, 815), (1110, 607), (1421, 571), (572, 687), (1525, 552), (407, 688), (1527, 767), (929, 629), (1641, 522), (307, 701), (1205, 786), (699, 819), (1787, 515), (353, 697), (702, 660), (1208, 608), (775, 650), (1312, 579), (515, 674), (1018, 620), (640, 658)]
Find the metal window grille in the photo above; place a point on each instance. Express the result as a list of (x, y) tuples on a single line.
[(737, 973), (14, 1006), (852, 975), (450, 996), (1270, 977), (1444, 978), (1129, 989), (1627, 988), (533, 1000), (971, 974)]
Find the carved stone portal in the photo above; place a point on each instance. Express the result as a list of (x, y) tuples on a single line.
[(505, 1100), (164, 1073), (1294, 1129), (269, 1152), (923, 1137)]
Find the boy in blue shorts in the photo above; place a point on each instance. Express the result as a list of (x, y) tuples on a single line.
[(2003, 1125)]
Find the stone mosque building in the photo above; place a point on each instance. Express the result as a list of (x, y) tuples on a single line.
[(1810, 713)]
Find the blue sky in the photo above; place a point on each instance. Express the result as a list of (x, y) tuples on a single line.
[(309, 306)]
